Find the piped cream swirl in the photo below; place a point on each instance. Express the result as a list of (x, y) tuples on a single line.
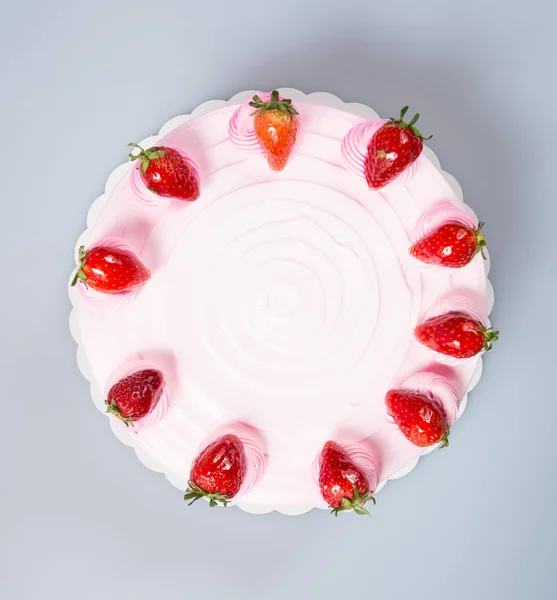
[(355, 147), (129, 367)]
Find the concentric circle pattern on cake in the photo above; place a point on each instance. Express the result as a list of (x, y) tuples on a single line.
[(283, 300)]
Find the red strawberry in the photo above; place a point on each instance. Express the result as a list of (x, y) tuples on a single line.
[(451, 245), (393, 148), (110, 270), (456, 334), (135, 396), (419, 418), (276, 128), (343, 485), (217, 473), (165, 172)]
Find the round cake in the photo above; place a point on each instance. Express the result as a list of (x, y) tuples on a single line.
[(280, 296)]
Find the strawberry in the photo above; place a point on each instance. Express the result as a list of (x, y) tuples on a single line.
[(110, 270), (217, 473), (451, 245), (343, 485), (455, 334), (135, 396), (419, 418), (276, 127), (393, 148), (165, 172)]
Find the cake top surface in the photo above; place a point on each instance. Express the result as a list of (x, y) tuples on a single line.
[(281, 305)]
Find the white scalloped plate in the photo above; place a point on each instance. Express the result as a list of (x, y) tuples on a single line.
[(97, 395)]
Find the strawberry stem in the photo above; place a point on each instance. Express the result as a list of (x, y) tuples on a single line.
[(490, 335), (114, 410), (445, 438), (357, 505), (194, 493), (481, 242), (411, 125), (284, 105), (80, 274), (145, 155)]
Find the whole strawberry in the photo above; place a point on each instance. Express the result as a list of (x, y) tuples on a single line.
[(276, 127), (110, 270), (343, 485), (218, 472), (393, 148), (419, 418), (455, 334), (451, 245), (135, 396), (166, 173)]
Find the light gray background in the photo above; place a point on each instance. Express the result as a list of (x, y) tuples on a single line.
[(80, 517)]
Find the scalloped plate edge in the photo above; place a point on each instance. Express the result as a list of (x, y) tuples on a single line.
[(324, 98)]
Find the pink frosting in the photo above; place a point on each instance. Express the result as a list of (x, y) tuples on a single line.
[(457, 301), (354, 150), (98, 299), (286, 300), (241, 132), (465, 301), (437, 388), (361, 455), (154, 200), (131, 366), (440, 213), (254, 448)]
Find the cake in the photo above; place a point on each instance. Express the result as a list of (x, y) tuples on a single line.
[(285, 316)]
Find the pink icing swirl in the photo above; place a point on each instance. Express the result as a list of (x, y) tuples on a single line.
[(241, 131), (438, 214), (457, 301), (362, 458), (100, 300), (254, 448), (133, 365), (438, 389), (463, 301), (144, 195), (354, 150)]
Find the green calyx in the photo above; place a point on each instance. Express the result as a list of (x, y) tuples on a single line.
[(481, 242), (490, 336), (194, 493), (357, 505), (114, 410), (445, 438), (411, 125), (80, 274), (284, 105), (145, 155)]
